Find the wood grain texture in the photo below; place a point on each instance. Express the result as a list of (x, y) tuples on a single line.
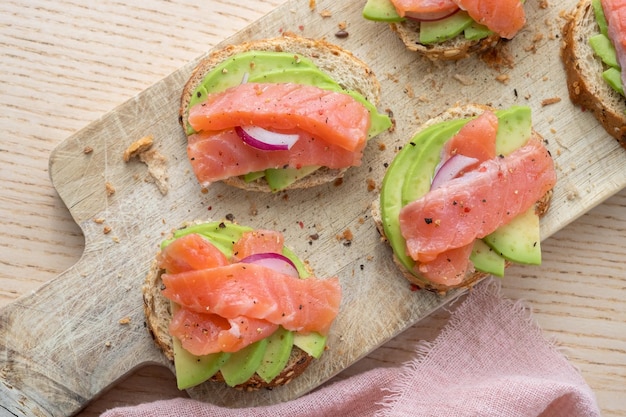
[(80, 62)]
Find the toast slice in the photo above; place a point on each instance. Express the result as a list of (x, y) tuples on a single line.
[(158, 313), (341, 65), (450, 50), (583, 69), (473, 276)]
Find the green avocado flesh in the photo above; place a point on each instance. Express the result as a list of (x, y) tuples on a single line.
[(278, 67), (410, 173), (518, 241), (263, 357), (604, 49), (277, 354), (381, 11), (600, 17), (432, 31), (445, 29)]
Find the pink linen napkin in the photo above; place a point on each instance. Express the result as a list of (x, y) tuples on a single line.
[(490, 359)]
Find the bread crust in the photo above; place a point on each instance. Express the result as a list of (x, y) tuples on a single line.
[(342, 65), (583, 70), (158, 315), (473, 276), (450, 50)]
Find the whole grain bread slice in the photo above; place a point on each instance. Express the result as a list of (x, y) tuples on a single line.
[(158, 313), (451, 50), (584, 70), (473, 276), (342, 65)]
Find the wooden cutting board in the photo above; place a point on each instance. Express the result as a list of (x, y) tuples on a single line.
[(67, 342)]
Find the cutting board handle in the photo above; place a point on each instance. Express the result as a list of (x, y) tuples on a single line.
[(66, 343)]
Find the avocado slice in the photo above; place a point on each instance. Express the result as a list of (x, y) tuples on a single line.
[(192, 370), (614, 78), (277, 353), (485, 259), (444, 29), (476, 31), (419, 176), (519, 240), (598, 12), (604, 49), (312, 343), (514, 129), (409, 175), (381, 11), (243, 364), (281, 178)]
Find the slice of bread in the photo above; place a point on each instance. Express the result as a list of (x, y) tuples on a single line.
[(343, 66), (473, 276), (450, 50), (158, 314), (584, 70)]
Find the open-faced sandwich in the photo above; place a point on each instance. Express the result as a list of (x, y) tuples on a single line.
[(449, 29), (594, 56), (462, 199), (273, 114), (228, 303)]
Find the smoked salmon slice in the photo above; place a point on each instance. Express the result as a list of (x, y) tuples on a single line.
[(205, 333), (251, 290), (215, 156), (504, 17), (615, 13), (449, 267), (335, 117), (477, 203), (258, 241), (188, 253), (425, 9), (476, 139)]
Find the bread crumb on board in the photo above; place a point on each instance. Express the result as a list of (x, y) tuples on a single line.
[(138, 147), (124, 320), (371, 184), (110, 189), (346, 236), (156, 162), (551, 100), (157, 168)]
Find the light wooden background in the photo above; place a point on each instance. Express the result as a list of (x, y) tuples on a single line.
[(64, 64)]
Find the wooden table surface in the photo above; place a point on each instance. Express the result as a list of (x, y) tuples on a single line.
[(66, 63)]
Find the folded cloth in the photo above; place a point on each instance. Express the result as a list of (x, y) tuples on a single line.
[(490, 359)]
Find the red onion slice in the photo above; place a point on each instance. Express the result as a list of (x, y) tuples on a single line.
[(451, 168), (275, 261), (266, 140), (431, 16)]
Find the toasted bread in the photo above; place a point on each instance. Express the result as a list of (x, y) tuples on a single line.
[(584, 70), (473, 276), (158, 314), (450, 50), (343, 66)]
